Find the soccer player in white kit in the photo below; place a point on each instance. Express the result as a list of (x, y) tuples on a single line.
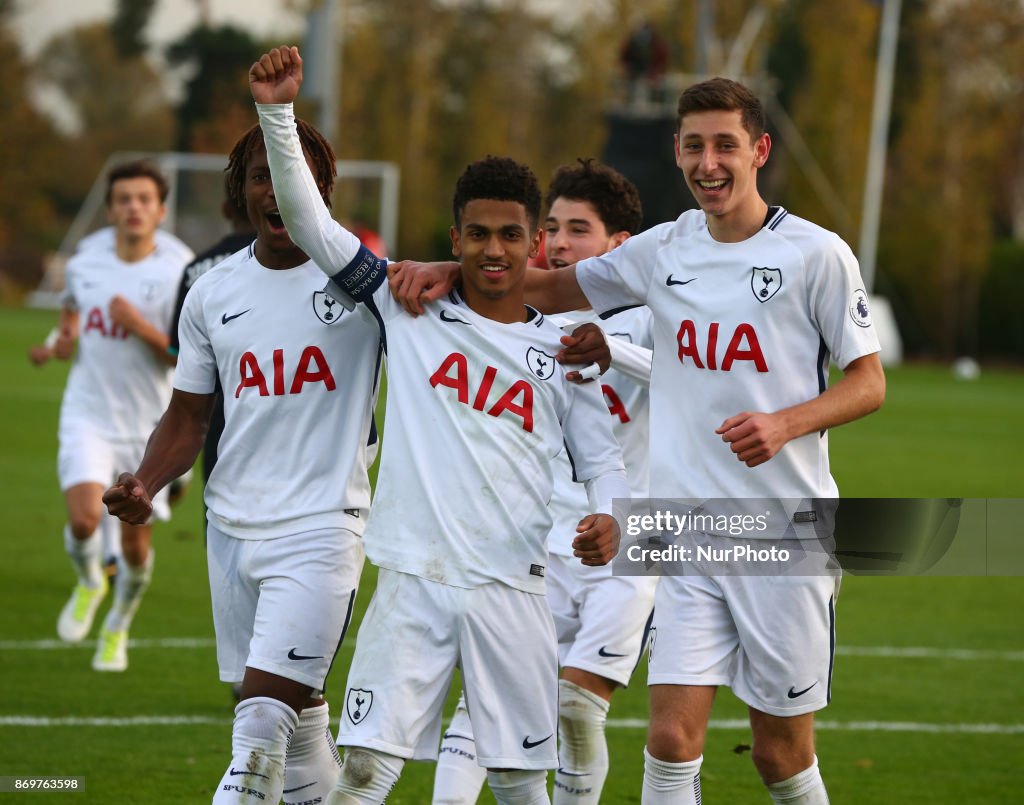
[(601, 619), (289, 495), (477, 410), (750, 302), (118, 304)]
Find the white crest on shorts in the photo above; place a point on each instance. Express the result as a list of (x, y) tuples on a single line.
[(541, 364), (358, 704), (859, 311), (327, 309), (765, 283)]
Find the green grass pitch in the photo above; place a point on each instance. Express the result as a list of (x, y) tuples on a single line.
[(940, 725)]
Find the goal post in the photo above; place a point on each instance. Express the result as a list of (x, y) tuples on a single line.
[(366, 193)]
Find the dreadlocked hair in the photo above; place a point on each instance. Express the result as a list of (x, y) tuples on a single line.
[(497, 179), (313, 145), (614, 198)]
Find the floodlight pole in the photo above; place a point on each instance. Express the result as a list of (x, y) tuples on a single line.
[(705, 34), (330, 70), (888, 39)]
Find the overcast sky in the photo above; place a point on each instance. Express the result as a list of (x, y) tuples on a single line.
[(38, 20)]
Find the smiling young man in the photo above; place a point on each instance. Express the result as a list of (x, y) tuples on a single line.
[(288, 497), (601, 619), (117, 305), (749, 304), (477, 410)]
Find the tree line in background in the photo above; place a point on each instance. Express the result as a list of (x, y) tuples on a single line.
[(500, 78)]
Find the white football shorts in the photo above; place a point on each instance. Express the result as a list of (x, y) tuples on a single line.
[(282, 605), (601, 620), (85, 457), (769, 638), (413, 636)]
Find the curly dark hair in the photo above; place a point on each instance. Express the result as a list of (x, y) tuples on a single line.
[(499, 179), (313, 144), (613, 196), (723, 95), (138, 169)]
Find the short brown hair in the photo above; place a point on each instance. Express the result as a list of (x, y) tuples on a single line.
[(136, 169), (612, 195), (723, 95)]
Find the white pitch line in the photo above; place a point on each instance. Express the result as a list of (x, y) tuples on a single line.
[(132, 721), (614, 723), (930, 653), (51, 645), (895, 652), (853, 726)]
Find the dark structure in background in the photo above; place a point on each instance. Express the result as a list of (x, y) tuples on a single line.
[(640, 147)]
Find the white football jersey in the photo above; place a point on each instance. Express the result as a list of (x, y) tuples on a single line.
[(744, 326), (628, 403), (117, 383), (105, 239), (477, 412), (300, 379)]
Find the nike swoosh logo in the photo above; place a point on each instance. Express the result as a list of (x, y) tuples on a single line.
[(293, 790), (293, 656), (574, 773), (448, 735), (235, 773), (669, 281), (797, 694), (452, 319), (603, 653), (528, 744), (225, 318)]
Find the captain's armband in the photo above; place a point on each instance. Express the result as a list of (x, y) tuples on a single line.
[(357, 281)]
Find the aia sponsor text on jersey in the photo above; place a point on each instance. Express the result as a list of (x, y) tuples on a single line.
[(310, 368), (515, 398), (96, 322), (703, 347)]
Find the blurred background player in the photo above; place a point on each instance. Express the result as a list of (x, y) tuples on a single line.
[(288, 496), (461, 579), (117, 304), (173, 248), (601, 620)]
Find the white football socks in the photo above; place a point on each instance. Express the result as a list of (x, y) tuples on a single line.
[(671, 783), (259, 741), (367, 777), (85, 557), (519, 786), (131, 583), (458, 778), (582, 748), (312, 765), (804, 788)]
